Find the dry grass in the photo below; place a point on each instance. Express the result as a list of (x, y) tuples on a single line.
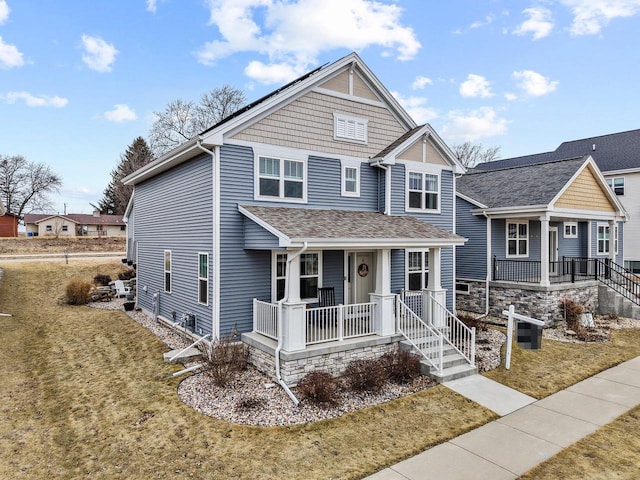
[(28, 245), (85, 395), (558, 365)]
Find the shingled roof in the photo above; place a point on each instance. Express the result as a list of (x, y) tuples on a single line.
[(616, 151), (519, 186), (79, 218), (318, 225)]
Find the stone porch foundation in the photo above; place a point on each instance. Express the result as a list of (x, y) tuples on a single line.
[(543, 303)]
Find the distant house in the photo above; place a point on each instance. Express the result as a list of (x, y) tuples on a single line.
[(618, 158), (538, 233), (311, 214), (74, 225)]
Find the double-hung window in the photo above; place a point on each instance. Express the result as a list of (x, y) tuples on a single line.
[(203, 278), (350, 181), (570, 229), (617, 184), (280, 179), (517, 239), (417, 269), (280, 275), (603, 239), (423, 191), (167, 271), (309, 275)]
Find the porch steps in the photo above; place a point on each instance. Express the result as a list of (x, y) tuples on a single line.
[(454, 365), (612, 302)]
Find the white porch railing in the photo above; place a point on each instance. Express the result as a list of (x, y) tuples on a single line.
[(265, 318), (424, 338), (456, 333), (326, 324), (414, 299)]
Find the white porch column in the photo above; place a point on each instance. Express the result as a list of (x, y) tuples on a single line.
[(432, 312), (383, 316), (612, 240), (293, 311), (544, 250)]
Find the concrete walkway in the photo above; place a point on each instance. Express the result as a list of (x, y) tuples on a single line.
[(528, 435)]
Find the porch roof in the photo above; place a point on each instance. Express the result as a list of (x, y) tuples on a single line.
[(347, 228)]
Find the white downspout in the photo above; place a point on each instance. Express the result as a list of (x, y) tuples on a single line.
[(279, 347), (488, 277), (387, 186)]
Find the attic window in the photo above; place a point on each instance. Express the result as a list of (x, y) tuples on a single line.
[(350, 128)]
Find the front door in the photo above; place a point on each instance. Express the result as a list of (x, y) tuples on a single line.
[(553, 251), (364, 277)]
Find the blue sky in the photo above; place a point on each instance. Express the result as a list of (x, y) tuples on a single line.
[(79, 80)]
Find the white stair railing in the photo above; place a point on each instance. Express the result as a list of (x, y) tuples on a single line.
[(455, 333), (425, 339)]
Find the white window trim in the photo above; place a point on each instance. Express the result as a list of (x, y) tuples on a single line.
[(280, 198), (613, 187), (205, 279), (467, 291), (506, 235), (598, 252), (564, 230), (338, 117), (425, 257), (274, 277), (164, 269), (344, 191), (406, 191), (615, 237)]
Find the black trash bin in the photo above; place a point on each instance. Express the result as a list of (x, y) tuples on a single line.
[(529, 336)]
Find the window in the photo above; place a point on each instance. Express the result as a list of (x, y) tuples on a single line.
[(123, 228), (65, 228), (167, 271), (422, 191), (617, 184), (350, 181), (49, 228), (349, 128), (570, 229), (309, 275), (203, 278), (615, 239), (417, 269), (603, 239), (462, 288), (280, 179), (517, 239)]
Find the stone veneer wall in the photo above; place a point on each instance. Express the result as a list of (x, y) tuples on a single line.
[(295, 365), (543, 303)]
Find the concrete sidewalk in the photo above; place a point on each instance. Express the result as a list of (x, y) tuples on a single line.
[(508, 447)]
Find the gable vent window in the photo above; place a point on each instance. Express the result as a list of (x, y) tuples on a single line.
[(350, 128)]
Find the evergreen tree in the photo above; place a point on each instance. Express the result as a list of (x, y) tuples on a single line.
[(116, 194)]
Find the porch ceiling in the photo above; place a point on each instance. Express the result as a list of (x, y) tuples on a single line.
[(347, 228)]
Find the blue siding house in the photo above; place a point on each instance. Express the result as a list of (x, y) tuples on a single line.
[(317, 224), (537, 233)]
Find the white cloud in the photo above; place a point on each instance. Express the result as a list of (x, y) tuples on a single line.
[(120, 113), (4, 11), (273, 72), (590, 16), (152, 5), (510, 96), (416, 108), (489, 19), (539, 23), (35, 101), (99, 55), (420, 82), (534, 84), (474, 125), (475, 86), (10, 56), (286, 32)]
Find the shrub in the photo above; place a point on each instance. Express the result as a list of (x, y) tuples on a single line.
[(572, 314), (101, 279), (365, 375), (469, 321), (248, 403), (78, 291), (319, 388), (401, 366), (127, 274), (223, 358)]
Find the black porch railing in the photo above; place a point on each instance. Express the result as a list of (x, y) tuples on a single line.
[(571, 270)]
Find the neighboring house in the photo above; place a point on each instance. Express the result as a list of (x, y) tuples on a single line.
[(537, 234), (324, 192), (9, 225), (618, 158), (74, 225)]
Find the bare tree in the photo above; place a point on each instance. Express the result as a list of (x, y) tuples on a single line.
[(182, 120), (24, 185), (471, 154)]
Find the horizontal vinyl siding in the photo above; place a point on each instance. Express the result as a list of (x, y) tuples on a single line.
[(572, 247), (397, 271), (173, 211), (333, 272), (257, 238), (471, 258), (499, 240)]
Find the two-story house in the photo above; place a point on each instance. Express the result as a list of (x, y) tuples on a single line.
[(317, 222)]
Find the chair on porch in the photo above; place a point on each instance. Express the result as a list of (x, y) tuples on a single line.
[(326, 297)]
